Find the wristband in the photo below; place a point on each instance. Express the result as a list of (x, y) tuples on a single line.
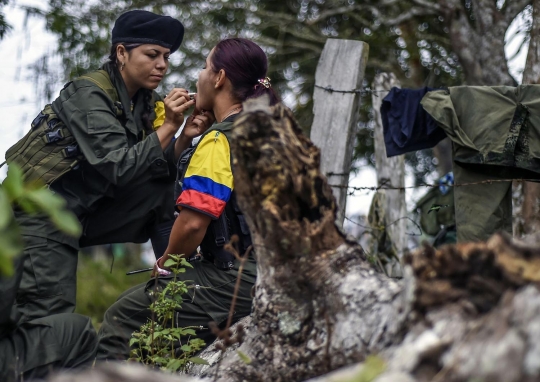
[(161, 271)]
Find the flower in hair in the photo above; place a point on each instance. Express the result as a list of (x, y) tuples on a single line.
[(265, 82)]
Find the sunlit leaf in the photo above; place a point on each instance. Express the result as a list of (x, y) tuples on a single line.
[(198, 361), (11, 243), (169, 263), (174, 364), (244, 357), (6, 214), (67, 222), (190, 332), (46, 200), (13, 184)]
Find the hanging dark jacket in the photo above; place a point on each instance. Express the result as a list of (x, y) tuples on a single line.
[(406, 125)]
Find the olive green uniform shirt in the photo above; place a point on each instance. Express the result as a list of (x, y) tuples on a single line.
[(491, 125), (116, 150), (495, 132)]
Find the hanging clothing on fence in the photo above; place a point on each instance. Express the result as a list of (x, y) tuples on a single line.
[(406, 125), (495, 132), (491, 125)]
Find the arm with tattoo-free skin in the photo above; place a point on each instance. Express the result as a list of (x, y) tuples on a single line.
[(187, 233)]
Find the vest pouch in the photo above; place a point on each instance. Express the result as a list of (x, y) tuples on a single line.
[(47, 151)]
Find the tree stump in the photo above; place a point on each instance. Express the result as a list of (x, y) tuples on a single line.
[(460, 312), (318, 304)]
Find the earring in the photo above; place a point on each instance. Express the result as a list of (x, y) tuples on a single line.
[(122, 66)]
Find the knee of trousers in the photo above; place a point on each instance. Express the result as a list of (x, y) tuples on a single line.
[(73, 329)]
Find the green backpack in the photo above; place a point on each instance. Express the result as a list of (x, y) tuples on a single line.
[(49, 150)]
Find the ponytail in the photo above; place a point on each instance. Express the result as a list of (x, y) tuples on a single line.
[(148, 107)]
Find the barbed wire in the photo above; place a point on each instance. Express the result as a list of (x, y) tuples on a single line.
[(362, 92), (385, 186), (384, 227)]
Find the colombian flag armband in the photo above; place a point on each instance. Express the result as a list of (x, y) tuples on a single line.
[(208, 182)]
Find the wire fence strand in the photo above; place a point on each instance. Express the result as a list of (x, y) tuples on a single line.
[(386, 186)]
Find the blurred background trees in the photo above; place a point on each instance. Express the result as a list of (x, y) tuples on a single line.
[(4, 25), (434, 43), (424, 42)]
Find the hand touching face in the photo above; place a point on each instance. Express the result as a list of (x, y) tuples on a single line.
[(197, 123), (176, 103)]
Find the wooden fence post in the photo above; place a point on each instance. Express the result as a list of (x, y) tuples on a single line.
[(339, 75), (391, 173)]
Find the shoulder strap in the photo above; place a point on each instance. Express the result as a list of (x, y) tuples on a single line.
[(101, 78)]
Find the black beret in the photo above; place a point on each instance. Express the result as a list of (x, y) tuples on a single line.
[(148, 28)]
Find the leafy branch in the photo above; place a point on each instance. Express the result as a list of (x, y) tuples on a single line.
[(31, 198)]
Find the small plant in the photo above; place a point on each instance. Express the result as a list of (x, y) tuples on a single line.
[(159, 343), (32, 198)]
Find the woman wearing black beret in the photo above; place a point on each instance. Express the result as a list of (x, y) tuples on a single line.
[(115, 159)]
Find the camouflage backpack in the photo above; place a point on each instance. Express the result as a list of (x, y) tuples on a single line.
[(49, 150)]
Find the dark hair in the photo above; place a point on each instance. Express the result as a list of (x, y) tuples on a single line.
[(245, 64), (145, 93)]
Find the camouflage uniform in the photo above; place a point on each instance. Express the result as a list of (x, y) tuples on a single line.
[(120, 193), (37, 347), (495, 132)]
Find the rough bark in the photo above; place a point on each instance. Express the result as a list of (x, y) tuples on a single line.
[(318, 304), (478, 38)]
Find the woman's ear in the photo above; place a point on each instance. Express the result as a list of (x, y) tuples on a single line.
[(121, 53), (221, 78)]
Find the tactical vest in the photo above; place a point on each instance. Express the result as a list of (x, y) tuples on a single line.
[(219, 232), (49, 150)]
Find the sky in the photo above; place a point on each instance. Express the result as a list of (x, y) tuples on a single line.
[(19, 103)]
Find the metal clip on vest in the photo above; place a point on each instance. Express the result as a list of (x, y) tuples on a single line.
[(71, 151), (37, 121), (53, 136)]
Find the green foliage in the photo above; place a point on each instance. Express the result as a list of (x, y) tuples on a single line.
[(98, 288), (10, 239), (32, 198), (244, 357), (159, 343), (4, 26), (416, 48), (409, 38)]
